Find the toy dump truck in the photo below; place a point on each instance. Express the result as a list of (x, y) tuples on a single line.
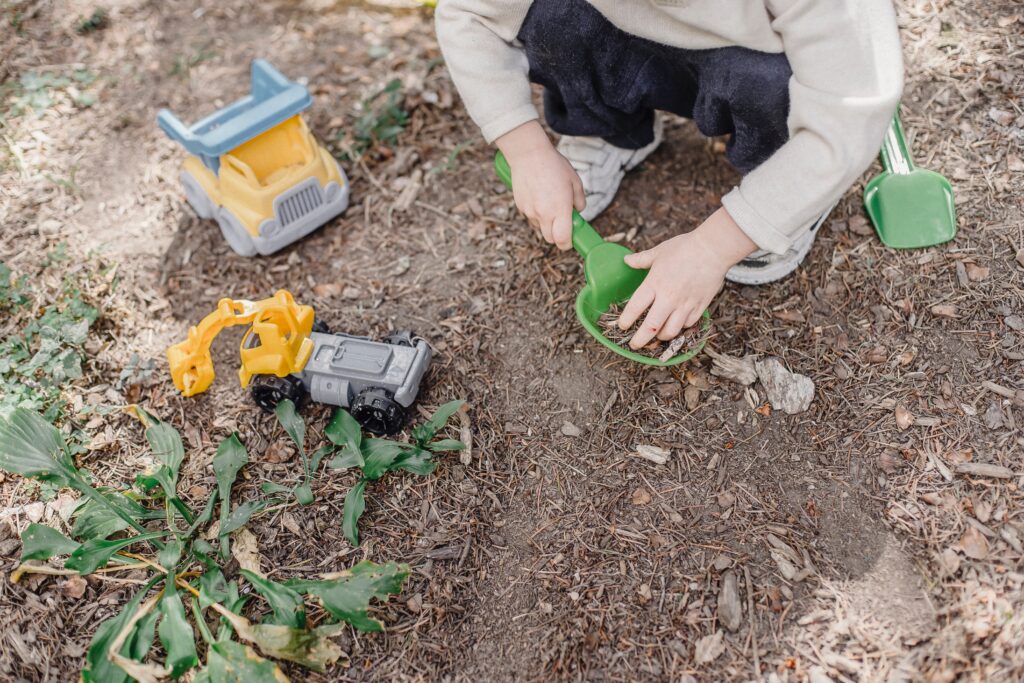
[(286, 354), (257, 170)]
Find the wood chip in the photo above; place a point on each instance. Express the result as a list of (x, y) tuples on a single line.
[(641, 497), (944, 310), (904, 418), (984, 469), (655, 454), (738, 370), (974, 544), (709, 648), (730, 610), (246, 550)]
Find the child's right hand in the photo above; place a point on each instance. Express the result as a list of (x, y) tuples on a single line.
[(545, 186)]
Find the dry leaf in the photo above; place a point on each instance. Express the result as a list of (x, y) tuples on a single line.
[(904, 418), (859, 225), (976, 273), (278, 452), (641, 497), (877, 355), (974, 544), (246, 550), (692, 397), (74, 587), (944, 310)]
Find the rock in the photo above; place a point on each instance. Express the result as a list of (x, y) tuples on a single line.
[(788, 391), (1014, 322), (738, 370), (730, 610), (569, 429), (709, 648)]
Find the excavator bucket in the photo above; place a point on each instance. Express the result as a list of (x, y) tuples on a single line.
[(278, 342)]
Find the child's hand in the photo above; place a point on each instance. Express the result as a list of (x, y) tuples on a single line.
[(544, 184), (686, 273)]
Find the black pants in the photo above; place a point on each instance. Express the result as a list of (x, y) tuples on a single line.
[(601, 81)]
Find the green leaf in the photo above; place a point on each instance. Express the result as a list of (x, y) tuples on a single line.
[(169, 555), (437, 421), (213, 587), (176, 634), (348, 596), (346, 459), (241, 514), (444, 445), (231, 662), (96, 553), (288, 607), (417, 461), (318, 455), (165, 442), (378, 455), (292, 423), (270, 488), (93, 520), (231, 456), (354, 506), (40, 542), (304, 493), (346, 432), (142, 640), (98, 668), (32, 447)]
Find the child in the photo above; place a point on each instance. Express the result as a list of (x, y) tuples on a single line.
[(804, 88)]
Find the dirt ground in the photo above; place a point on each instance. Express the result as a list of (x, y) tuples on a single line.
[(853, 540)]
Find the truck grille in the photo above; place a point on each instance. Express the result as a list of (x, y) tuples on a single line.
[(306, 198)]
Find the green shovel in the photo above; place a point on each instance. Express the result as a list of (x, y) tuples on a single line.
[(609, 281), (911, 208)]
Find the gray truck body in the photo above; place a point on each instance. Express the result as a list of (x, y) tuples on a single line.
[(343, 365)]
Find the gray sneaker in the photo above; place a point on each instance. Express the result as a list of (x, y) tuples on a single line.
[(602, 166), (762, 267)]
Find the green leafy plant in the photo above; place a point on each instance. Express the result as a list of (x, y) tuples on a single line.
[(152, 528), (98, 20), (382, 121), (38, 360), (293, 425), (375, 457)]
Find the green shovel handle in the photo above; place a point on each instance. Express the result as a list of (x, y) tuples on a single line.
[(584, 237), (895, 154)]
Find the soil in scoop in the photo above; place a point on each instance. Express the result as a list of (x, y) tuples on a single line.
[(684, 342)]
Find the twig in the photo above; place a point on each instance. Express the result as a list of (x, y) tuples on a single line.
[(750, 615)]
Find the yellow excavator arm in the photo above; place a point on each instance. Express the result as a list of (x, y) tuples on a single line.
[(277, 342)]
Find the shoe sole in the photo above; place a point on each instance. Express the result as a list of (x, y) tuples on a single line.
[(591, 212), (780, 269)]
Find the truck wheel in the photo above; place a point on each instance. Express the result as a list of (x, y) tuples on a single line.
[(269, 390), (321, 326), (377, 411), (401, 338)]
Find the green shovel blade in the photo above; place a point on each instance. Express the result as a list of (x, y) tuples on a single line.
[(911, 208), (609, 281)]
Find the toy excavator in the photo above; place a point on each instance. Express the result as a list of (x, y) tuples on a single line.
[(288, 354)]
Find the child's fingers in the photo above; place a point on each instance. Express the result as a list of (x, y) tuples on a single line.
[(693, 317), (561, 231), (637, 304), (651, 325), (675, 324), (641, 260), (579, 197)]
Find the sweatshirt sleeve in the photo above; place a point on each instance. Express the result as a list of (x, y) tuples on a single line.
[(847, 80), (477, 38)]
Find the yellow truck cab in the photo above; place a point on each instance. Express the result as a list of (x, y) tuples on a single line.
[(257, 169)]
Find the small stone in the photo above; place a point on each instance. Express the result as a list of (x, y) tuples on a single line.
[(569, 429), (787, 391), (351, 293), (415, 603), (993, 416), (1014, 322), (730, 610), (645, 593), (1001, 116), (816, 674), (34, 511)]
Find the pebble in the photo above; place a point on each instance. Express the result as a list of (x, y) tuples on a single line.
[(787, 391), (569, 429)]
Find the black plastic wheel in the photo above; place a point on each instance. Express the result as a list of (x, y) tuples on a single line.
[(269, 390), (321, 326), (401, 338), (377, 411)]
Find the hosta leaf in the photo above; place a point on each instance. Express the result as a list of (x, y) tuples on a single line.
[(32, 447), (40, 542), (299, 645), (98, 668), (96, 553), (176, 633), (292, 423), (94, 520), (345, 431), (378, 455), (231, 662), (288, 607), (348, 596), (417, 461), (444, 445), (354, 506), (241, 514)]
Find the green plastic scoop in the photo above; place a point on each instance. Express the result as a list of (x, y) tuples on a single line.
[(911, 208), (609, 281)]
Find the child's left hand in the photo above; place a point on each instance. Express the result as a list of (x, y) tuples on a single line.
[(686, 273)]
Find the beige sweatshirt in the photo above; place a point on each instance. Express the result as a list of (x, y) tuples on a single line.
[(847, 80)]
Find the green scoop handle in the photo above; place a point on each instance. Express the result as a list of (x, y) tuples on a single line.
[(609, 281)]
